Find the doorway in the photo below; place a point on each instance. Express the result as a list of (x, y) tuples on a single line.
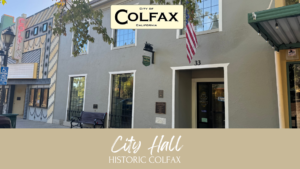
[(19, 100), (210, 105)]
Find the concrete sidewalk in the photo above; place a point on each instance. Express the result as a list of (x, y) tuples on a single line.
[(21, 123)]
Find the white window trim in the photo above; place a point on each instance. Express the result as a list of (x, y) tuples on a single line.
[(70, 76), (110, 94), (220, 29), (88, 45), (222, 65), (125, 46)]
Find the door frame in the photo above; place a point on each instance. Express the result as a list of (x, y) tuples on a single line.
[(222, 65), (110, 93), (194, 95)]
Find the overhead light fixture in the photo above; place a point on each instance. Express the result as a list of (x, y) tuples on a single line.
[(259, 34), (273, 47), (277, 26), (267, 40)]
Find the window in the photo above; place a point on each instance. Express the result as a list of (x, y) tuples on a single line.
[(45, 93), (76, 93), (207, 14), (124, 37), (45, 27), (31, 99), (291, 2), (37, 98), (27, 34), (35, 31)]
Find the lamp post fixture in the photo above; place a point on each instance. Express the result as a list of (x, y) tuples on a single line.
[(8, 38), (149, 48)]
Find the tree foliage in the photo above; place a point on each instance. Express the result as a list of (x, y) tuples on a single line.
[(80, 14)]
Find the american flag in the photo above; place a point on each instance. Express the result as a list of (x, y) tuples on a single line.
[(191, 39)]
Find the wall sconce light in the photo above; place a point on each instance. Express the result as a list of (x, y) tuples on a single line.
[(149, 48)]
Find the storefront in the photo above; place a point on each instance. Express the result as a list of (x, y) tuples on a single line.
[(280, 28), (32, 66)]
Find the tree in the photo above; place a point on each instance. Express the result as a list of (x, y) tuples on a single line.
[(80, 14), (3, 2)]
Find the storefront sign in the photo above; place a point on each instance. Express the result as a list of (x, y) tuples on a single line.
[(19, 39), (160, 108), (146, 60), (147, 17)]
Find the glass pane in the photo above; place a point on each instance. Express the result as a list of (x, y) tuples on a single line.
[(207, 15), (218, 105), (77, 93), (294, 81), (291, 2), (37, 102), (203, 106), (121, 104), (31, 97), (45, 98), (124, 37)]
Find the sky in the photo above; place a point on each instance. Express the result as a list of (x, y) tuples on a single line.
[(17, 7)]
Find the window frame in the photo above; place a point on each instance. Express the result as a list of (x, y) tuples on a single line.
[(46, 27), (41, 97), (37, 31), (28, 31), (69, 88), (125, 46), (220, 29), (88, 44)]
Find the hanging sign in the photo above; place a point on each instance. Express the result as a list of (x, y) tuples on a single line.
[(292, 55), (3, 75), (146, 60)]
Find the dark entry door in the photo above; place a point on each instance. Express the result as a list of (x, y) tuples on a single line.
[(210, 105)]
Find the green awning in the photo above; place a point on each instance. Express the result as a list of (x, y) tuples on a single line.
[(279, 26)]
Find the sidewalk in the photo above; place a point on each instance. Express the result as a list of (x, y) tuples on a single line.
[(21, 123)]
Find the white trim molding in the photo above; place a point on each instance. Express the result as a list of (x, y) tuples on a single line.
[(194, 96), (220, 29), (224, 66), (70, 76), (125, 46), (110, 93)]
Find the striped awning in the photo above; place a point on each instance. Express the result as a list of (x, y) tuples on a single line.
[(279, 26)]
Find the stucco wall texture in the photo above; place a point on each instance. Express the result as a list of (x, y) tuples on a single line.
[(251, 71)]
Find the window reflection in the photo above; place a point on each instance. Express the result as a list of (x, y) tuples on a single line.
[(77, 93)]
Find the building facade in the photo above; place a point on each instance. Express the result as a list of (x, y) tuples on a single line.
[(234, 87), (6, 21), (32, 66)]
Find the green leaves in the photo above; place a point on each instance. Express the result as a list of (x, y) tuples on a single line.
[(81, 15)]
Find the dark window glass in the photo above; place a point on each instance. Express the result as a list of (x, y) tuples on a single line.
[(45, 93), (31, 99), (37, 100), (77, 93), (45, 27), (124, 37), (36, 31), (27, 34), (291, 2), (121, 101)]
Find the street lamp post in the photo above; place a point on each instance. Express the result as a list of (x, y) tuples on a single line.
[(8, 38)]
